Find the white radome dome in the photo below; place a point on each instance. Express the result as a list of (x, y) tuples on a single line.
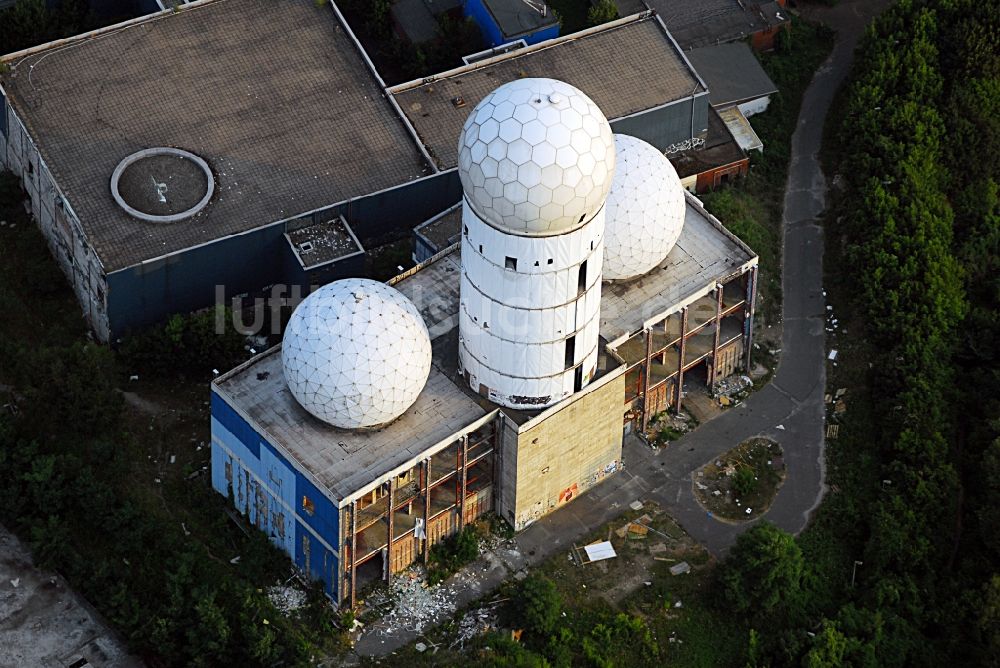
[(645, 210), (356, 353), (536, 157)]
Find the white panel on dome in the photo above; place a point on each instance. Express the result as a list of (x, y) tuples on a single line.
[(645, 210), (536, 157), (356, 353)]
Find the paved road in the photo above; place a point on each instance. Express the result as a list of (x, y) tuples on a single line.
[(789, 410)]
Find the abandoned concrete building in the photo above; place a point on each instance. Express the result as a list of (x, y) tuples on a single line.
[(282, 140), (353, 506)]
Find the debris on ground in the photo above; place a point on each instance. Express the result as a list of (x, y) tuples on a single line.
[(599, 551), (732, 390), (475, 622), (742, 483), (681, 568), (637, 531), (286, 599), (635, 505), (409, 603)]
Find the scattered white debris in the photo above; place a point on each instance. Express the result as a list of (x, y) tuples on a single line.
[(133, 377), (286, 599), (678, 604), (411, 604), (599, 551), (420, 647), (635, 505), (832, 356), (235, 560), (173, 459), (749, 510), (15, 583), (680, 569), (780, 427)]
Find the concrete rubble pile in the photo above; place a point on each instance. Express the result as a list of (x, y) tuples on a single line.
[(474, 622), (412, 604), (286, 599), (730, 391)]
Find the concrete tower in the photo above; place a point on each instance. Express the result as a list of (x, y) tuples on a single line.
[(536, 160)]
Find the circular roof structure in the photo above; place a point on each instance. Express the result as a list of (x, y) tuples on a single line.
[(162, 185), (645, 210), (356, 353), (536, 157)]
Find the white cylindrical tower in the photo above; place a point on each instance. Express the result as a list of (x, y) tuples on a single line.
[(536, 159)]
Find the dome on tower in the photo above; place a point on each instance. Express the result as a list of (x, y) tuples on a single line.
[(536, 157), (645, 210), (356, 353)]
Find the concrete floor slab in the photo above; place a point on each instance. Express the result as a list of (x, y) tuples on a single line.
[(44, 623)]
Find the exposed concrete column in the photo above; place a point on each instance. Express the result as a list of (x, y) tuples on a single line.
[(680, 360), (427, 507), (388, 556), (465, 478), (749, 311), (712, 377), (645, 378), (354, 550)]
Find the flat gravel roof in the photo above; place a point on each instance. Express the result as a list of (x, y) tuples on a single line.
[(273, 94), (626, 68)]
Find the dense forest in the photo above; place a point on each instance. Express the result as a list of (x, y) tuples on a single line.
[(915, 480)]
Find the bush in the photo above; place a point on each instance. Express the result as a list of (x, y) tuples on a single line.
[(744, 481), (762, 575), (537, 606), (602, 12), (192, 345), (452, 553)]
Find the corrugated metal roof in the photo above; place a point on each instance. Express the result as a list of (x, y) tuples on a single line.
[(626, 68), (695, 23), (732, 73), (741, 129)]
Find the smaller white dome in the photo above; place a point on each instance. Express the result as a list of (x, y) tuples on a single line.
[(645, 210), (356, 353), (536, 157)]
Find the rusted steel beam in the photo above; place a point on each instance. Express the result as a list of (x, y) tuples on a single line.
[(388, 556), (354, 551), (718, 331), (465, 480), (646, 373), (680, 361)]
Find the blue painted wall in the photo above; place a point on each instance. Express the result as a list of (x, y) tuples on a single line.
[(492, 33), (151, 292), (269, 491)]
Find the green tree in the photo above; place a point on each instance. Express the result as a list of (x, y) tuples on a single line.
[(762, 575), (538, 605), (602, 11)]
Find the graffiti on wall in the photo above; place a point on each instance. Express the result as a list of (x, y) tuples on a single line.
[(568, 494)]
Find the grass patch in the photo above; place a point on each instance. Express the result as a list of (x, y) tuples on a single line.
[(752, 207), (603, 613), (744, 478)]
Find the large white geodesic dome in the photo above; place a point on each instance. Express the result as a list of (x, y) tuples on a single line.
[(536, 157), (356, 353), (645, 210)]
